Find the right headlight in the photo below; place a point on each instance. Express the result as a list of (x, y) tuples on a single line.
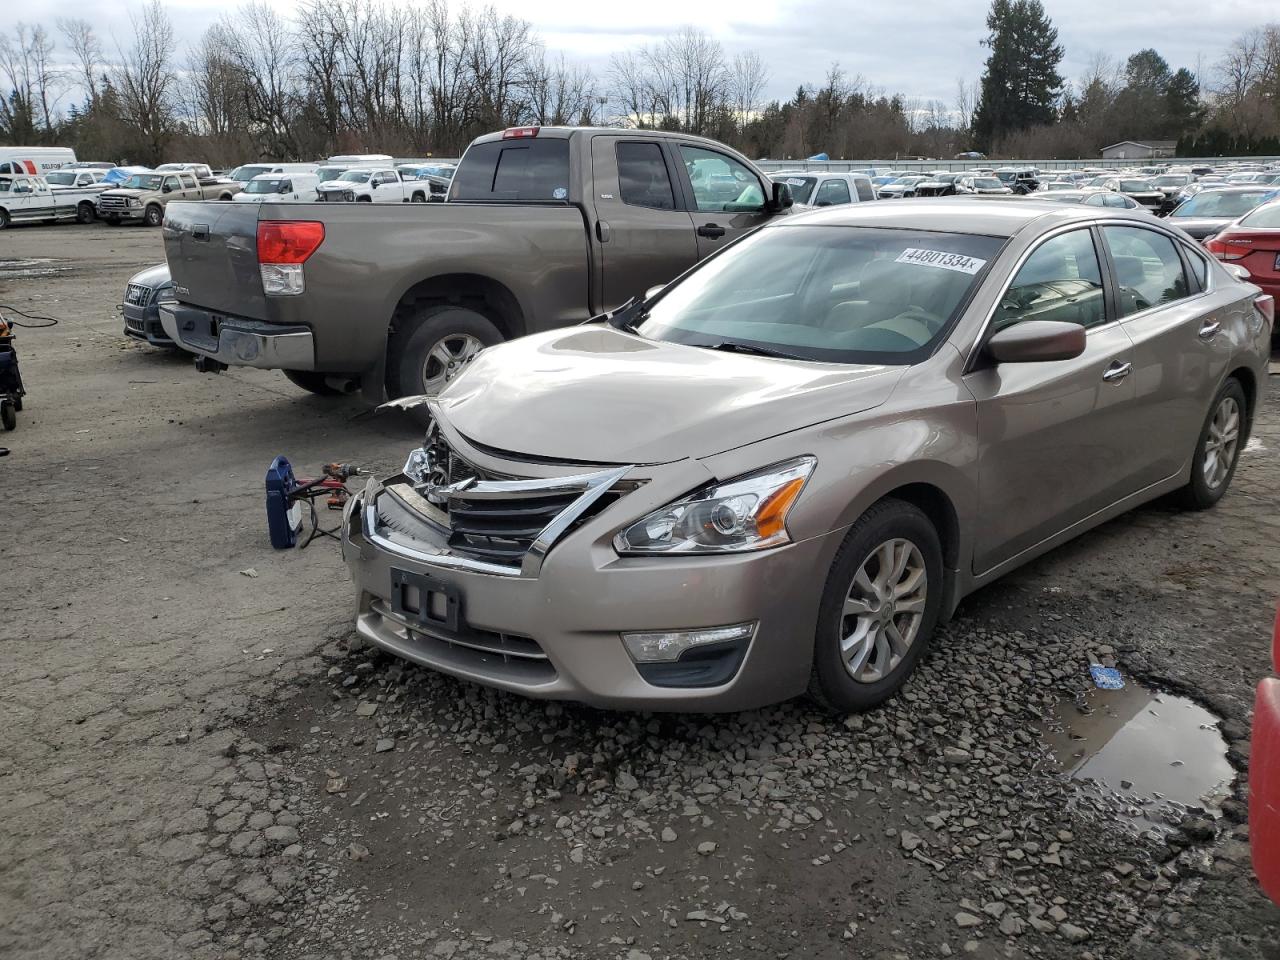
[(745, 513)]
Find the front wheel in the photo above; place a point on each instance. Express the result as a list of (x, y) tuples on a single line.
[(1218, 449), (4, 219), (8, 414), (878, 609), (435, 345), (154, 216), (418, 198), (84, 213)]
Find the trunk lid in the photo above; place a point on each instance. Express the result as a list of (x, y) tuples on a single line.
[(595, 394), (212, 249)]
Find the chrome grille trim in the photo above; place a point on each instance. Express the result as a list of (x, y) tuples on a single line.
[(137, 295)]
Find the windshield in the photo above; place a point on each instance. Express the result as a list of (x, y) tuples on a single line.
[(801, 187), (1136, 186), (249, 171), (1172, 180), (61, 179), (264, 186), (1060, 185), (355, 176), (325, 174), (1220, 204), (142, 181), (1265, 216), (987, 183), (839, 294), (1007, 176)]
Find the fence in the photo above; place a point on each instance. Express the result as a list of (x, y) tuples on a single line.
[(927, 166)]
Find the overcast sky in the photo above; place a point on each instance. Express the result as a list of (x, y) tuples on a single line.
[(918, 48)]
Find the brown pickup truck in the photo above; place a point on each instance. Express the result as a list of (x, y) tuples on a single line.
[(543, 227), (144, 196)]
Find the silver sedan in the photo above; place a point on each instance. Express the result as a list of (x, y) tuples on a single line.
[(782, 471)]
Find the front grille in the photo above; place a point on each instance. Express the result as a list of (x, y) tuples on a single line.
[(137, 295), (502, 530), (113, 203), (136, 325)]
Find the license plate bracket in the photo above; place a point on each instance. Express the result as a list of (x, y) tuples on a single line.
[(426, 600)]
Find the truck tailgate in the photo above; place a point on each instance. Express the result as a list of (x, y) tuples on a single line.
[(212, 249)]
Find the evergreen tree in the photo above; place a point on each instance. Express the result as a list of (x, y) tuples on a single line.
[(1021, 84), (1182, 103)]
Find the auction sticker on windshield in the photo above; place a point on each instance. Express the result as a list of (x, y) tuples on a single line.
[(941, 258)]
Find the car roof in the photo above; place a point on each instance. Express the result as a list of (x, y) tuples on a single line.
[(987, 216)]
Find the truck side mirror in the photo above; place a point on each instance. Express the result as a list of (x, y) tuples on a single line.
[(781, 198), (166, 189)]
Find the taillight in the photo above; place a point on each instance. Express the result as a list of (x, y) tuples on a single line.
[(288, 241), (283, 247), (1228, 248), (519, 133)]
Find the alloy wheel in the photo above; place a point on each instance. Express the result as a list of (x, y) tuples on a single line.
[(446, 359), (883, 610), (1221, 442)]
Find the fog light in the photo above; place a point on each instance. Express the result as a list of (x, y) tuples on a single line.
[(667, 645)]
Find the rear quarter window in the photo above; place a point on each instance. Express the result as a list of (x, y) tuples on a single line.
[(530, 169)]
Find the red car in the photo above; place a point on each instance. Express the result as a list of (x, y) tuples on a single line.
[(1264, 778), (1253, 242)]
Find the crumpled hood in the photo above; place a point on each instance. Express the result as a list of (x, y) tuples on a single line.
[(599, 395)]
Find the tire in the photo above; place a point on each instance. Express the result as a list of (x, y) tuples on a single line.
[(418, 198), (8, 414), (17, 404), (85, 213), (364, 199), (4, 219), (312, 382), (154, 216), (1208, 484), (881, 666), (457, 331)]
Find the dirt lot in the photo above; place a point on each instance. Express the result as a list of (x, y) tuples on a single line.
[(198, 763)]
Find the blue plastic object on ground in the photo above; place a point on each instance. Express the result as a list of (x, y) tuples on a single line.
[(1106, 678), (280, 518)]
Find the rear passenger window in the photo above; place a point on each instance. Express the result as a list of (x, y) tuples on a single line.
[(1148, 269), (643, 180), (533, 169), (865, 190), (1061, 281), (832, 192)]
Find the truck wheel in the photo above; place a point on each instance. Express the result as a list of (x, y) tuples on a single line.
[(84, 213), (418, 198), (311, 381), (435, 345), (154, 216), (4, 219), (364, 199)]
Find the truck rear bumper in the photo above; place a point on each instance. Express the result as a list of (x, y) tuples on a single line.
[(238, 341)]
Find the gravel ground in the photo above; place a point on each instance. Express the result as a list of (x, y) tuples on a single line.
[(201, 762)]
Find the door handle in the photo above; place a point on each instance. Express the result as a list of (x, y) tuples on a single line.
[(712, 230), (1209, 329), (1117, 371), (602, 231)]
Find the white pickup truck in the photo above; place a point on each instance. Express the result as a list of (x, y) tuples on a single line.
[(30, 199), (373, 185)]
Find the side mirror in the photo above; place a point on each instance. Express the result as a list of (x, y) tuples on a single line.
[(1033, 341), (166, 189), (781, 198), (1237, 271), (654, 291)]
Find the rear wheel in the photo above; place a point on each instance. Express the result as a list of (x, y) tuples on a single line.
[(8, 414), (84, 213), (154, 216), (312, 382), (879, 607), (434, 346), (1218, 449), (364, 199)]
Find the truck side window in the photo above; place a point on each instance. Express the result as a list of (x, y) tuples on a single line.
[(832, 192), (721, 183), (172, 183), (863, 186), (643, 180)]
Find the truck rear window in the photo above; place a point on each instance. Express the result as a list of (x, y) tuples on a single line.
[(514, 170)]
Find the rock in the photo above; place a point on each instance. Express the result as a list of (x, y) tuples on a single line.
[(909, 841), (668, 835), (956, 755), (813, 813), (1057, 914), (357, 851), (249, 572), (281, 835), (966, 920), (707, 847), (1011, 925), (335, 785), (384, 745), (625, 781), (366, 708), (1073, 934)]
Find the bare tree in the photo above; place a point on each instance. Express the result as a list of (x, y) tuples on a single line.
[(746, 82), (256, 43), (146, 81), (87, 50), (35, 84)]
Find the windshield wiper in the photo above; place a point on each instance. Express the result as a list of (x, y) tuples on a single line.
[(734, 346), (628, 316)]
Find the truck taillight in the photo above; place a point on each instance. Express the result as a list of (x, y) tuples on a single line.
[(283, 247), (519, 133), (288, 241)]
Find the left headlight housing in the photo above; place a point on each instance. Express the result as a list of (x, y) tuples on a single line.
[(746, 513)]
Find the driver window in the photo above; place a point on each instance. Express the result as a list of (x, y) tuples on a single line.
[(1061, 281), (286, 187), (171, 183), (832, 192), (720, 183)]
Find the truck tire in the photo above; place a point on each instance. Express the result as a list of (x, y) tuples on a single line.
[(433, 347), (364, 199), (4, 218), (154, 215), (84, 212), (311, 381), (418, 197)]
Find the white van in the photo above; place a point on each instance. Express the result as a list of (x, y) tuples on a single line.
[(35, 161), (276, 187)]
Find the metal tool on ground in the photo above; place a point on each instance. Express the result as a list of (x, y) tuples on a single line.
[(288, 495)]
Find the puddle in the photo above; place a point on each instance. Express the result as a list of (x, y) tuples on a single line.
[(11, 268), (1155, 750)]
